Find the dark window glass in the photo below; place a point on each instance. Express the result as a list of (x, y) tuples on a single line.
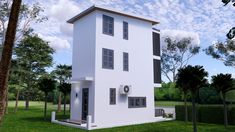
[(108, 25), (157, 71), (156, 44), (125, 30), (125, 62), (107, 58), (112, 93), (136, 102)]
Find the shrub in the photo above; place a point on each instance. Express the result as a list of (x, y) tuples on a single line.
[(207, 114), (167, 92)]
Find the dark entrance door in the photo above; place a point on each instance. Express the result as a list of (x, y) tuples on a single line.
[(85, 97)]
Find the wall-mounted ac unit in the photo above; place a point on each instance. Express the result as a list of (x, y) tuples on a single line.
[(125, 89)]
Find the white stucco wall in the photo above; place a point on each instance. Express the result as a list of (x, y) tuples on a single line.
[(139, 76), (83, 63)]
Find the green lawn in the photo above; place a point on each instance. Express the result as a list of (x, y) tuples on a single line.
[(168, 103), (32, 121)]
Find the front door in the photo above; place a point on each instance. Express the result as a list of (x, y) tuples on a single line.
[(85, 97)]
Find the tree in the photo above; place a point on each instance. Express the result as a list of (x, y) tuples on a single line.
[(46, 85), (184, 89), (65, 88), (231, 33), (176, 54), (62, 73), (34, 55), (192, 78), (223, 83), (224, 52), (27, 15), (7, 53)]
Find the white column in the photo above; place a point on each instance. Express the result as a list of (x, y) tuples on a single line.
[(89, 118), (52, 116)]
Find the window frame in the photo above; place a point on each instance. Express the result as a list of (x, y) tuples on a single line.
[(132, 102), (125, 61), (107, 63), (125, 30), (108, 24), (112, 96)]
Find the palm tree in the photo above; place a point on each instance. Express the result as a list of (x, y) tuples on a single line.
[(46, 85), (65, 88), (223, 83), (7, 53), (62, 73), (185, 90), (192, 78)]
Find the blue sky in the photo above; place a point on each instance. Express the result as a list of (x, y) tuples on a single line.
[(208, 20)]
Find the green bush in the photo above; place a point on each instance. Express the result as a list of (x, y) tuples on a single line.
[(167, 92), (207, 114), (209, 95)]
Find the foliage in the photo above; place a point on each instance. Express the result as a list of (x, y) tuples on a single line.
[(167, 92), (176, 54), (34, 55), (208, 95), (62, 72), (46, 84), (207, 113), (28, 14), (222, 82), (223, 51), (230, 96), (228, 1)]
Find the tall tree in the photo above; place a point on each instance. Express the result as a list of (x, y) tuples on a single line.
[(65, 88), (192, 78), (46, 85), (175, 55), (28, 14), (231, 33), (62, 73), (7, 53), (223, 83), (224, 52), (184, 89), (34, 55)]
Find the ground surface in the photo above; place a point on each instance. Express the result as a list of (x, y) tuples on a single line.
[(32, 121)]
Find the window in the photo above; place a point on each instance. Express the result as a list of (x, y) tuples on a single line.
[(125, 62), (108, 25), (125, 30), (112, 94), (136, 102), (107, 58), (156, 44), (157, 71)]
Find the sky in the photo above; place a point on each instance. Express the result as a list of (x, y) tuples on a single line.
[(206, 21)]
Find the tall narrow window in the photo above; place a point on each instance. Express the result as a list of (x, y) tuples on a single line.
[(108, 25), (125, 30), (107, 58), (125, 62), (112, 99)]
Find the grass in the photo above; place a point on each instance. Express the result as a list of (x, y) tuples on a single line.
[(168, 103), (32, 121)]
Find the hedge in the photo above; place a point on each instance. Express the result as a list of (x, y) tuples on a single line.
[(207, 114)]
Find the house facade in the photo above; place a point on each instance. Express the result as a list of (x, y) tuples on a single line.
[(115, 67)]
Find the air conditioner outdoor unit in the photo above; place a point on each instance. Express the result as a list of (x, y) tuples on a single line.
[(125, 89)]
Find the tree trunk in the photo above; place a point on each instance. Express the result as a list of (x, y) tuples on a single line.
[(7, 53), (225, 111), (45, 107), (6, 108), (194, 115), (185, 108), (17, 98), (59, 102), (64, 104), (27, 102)]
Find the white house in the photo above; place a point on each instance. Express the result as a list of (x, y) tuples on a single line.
[(115, 67)]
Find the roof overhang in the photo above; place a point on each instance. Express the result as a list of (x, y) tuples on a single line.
[(83, 79), (95, 7)]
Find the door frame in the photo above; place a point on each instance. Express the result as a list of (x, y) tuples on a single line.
[(85, 113)]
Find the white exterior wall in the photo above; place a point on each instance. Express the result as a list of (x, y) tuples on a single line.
[(83, 63), (139, 76)]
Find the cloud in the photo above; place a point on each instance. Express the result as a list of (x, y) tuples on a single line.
[(180, 34), (56, 43)]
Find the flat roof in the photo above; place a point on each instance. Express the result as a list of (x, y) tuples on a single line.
[(95, 7)]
